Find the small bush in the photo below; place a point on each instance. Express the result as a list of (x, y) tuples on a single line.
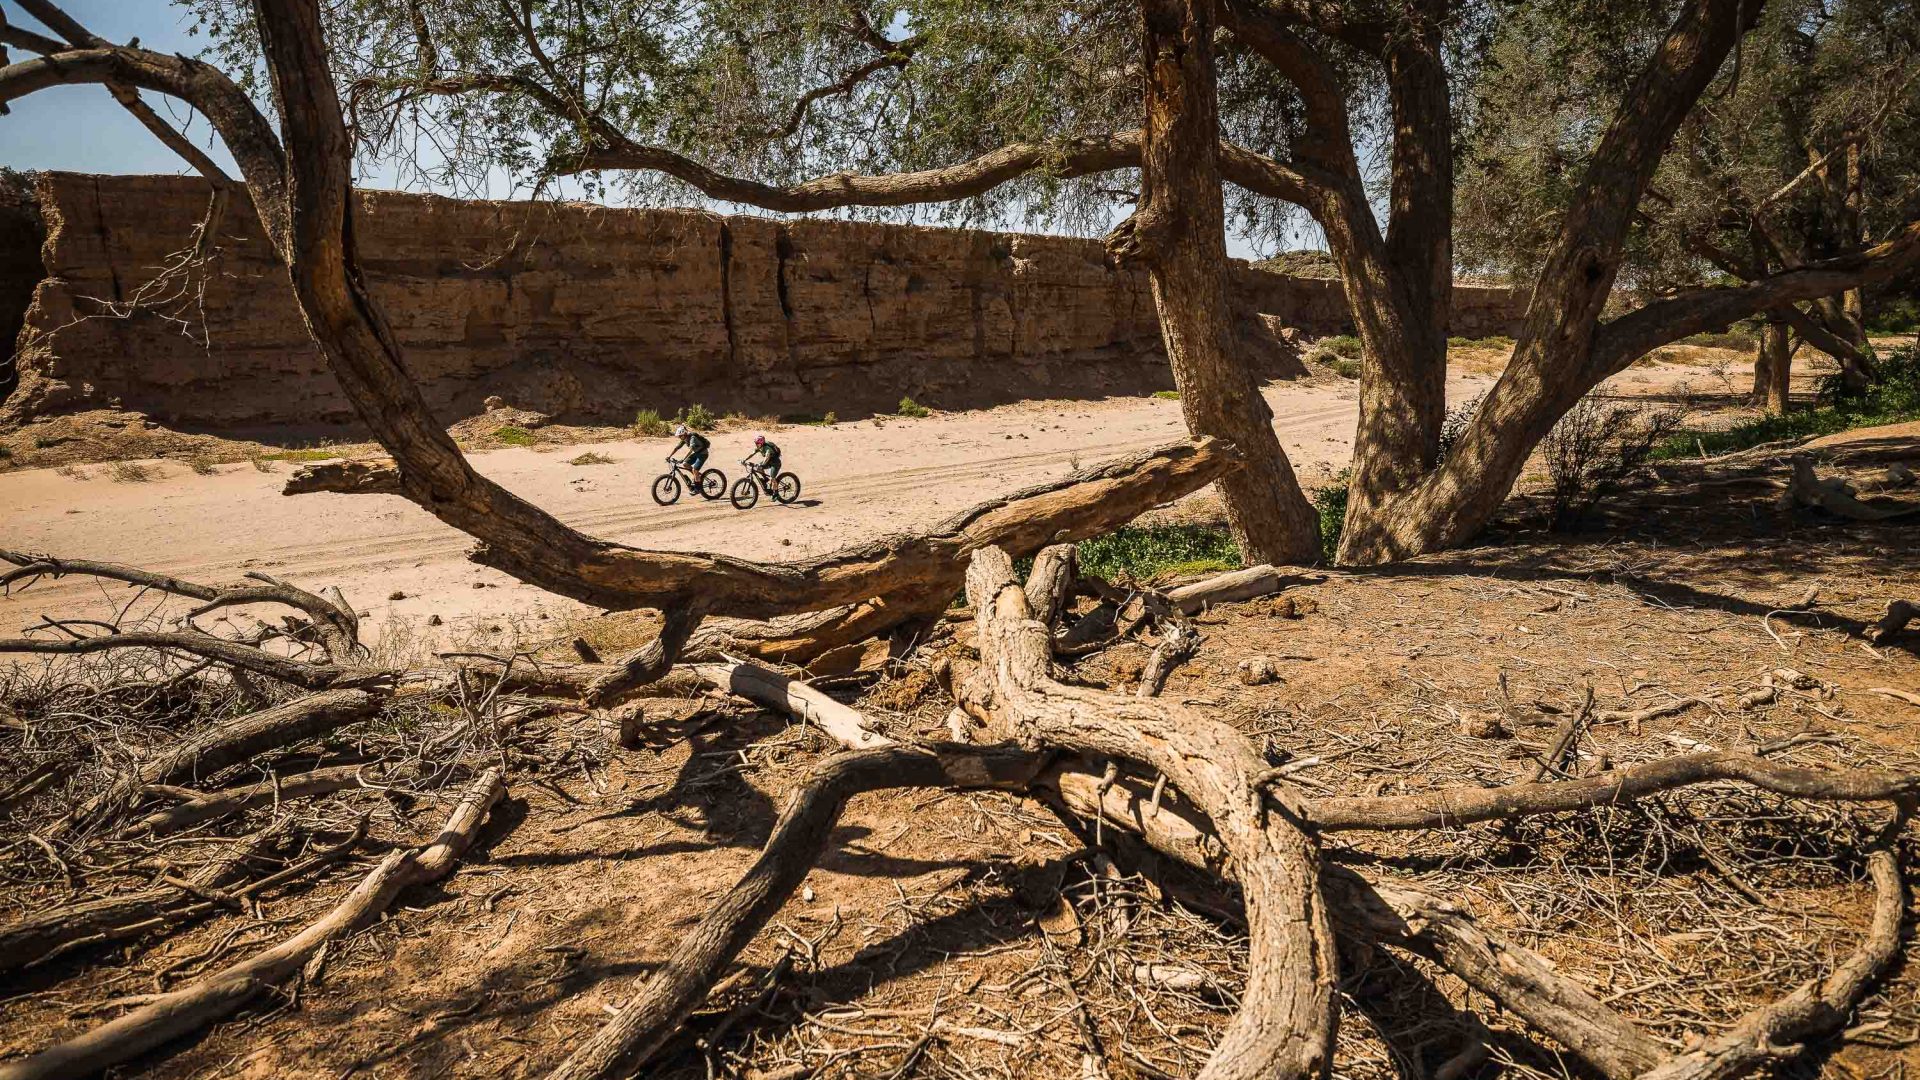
[(1895, 316), (132, 472), (1145, 551), (309, 453), (697, 417), (1454, 424), (1894, 398), (202, 466), (1345, 368), (71, 472), (6, 453), (1494, 341), (1459, 342), (261, 464), (1596, 446), (591, 458), (1330, 503), (1167, 395), (1341, 345), (514, 436), (648, 424), (830, 419), (910, 407)]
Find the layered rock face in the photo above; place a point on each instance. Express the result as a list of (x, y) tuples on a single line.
[(590, 313)]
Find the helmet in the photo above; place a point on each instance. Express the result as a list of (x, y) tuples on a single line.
[(679, 429), (759, 440)]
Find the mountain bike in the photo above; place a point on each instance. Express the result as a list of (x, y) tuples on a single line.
[(708, 485), (785, 488)]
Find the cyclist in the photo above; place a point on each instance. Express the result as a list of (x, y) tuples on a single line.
[(696, 446), (768, 465)]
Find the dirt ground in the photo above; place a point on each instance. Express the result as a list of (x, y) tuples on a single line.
[(861, 478), (973, 934)]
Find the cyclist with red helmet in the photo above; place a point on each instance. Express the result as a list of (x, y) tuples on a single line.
[(765, 459)]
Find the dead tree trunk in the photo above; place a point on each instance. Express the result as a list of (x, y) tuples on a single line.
[(1179, 232), (1773, 367)]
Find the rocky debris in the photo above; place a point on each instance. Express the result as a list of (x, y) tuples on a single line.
[(1258, 671)]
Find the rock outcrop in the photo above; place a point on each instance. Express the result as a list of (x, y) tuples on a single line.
[(589, 313)]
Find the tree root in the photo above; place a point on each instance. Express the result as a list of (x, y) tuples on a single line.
[(171, 1015), (665, 999)]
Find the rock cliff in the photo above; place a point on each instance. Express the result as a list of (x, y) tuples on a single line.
[(589, 313)]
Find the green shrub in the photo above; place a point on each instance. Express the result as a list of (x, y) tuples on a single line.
[(1895, 315), (910, 407), (1345, 368), (1167, 395), (1331, 504), (6, 453), (514, 436), (697, 417), (648, 424), (1146, 551), (830, 419), (1341, 345), (1459, 342), (202, 466), (312, 453)]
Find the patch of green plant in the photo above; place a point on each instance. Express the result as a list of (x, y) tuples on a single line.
[(1330, 503), (1167, 395), (1341, 345), (910, 407), (6, 453), (1493, 341), (591, 458), (1739, 340), (697, 417), (1147, 551), (1893, 398), (1895, 315), (648, 423), (810, 420), (514, 436), (314, 453), (1345, 368)]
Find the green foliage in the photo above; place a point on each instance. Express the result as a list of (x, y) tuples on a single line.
[(1739, 340), (648, 424), (1167, 395), (697, 417), (514, 436), (910, 407), (1496, 341), (305, 453), (1893, 399), (1345, 345), (1345, 368), (1143, 552), (1895, 315), (1330, 503)]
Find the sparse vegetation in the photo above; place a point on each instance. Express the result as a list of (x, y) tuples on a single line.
[(1594, 448), (1893, 399), (1895, 315), (1345, 368), (515, 436), (590, 458), (910, 407), (132, 472), (1454, 424), (1736, 339), (261, 463), (1345, 345), (648, 424), (304, 453), (697, 417), (202, 465), (1330, 503), (1494, 341), (1167, 395), (1144, 552), (71, 472)]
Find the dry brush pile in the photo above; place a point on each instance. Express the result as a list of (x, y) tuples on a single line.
[(163, 775)]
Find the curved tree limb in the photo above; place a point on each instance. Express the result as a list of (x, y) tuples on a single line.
[(1452, 807)]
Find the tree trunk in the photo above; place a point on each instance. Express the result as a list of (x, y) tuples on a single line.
[(1775, 366), (1179, 232)]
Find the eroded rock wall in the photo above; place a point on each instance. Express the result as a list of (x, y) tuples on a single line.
[(590, 313)]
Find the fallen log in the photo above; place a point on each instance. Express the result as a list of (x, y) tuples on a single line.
[(174, 1014), (1228, 588), (772, 690), (214, 805)]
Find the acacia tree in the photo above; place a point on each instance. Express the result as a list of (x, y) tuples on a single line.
[(1802, 151), (1022, 106)]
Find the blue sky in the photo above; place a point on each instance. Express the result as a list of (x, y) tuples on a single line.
[(82, 129)]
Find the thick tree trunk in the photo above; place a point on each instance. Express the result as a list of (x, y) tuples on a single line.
[(1179, 232)]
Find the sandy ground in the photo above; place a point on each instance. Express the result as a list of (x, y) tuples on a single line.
[(862, 478)]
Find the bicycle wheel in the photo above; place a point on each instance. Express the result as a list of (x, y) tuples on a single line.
[(745, 493), (786, 489), (713, 484), (666, 490)]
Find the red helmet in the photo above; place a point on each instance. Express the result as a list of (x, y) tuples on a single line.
[(759, 440)]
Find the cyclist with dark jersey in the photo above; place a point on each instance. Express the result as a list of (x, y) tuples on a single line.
[(768, 455), (696, 446)]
